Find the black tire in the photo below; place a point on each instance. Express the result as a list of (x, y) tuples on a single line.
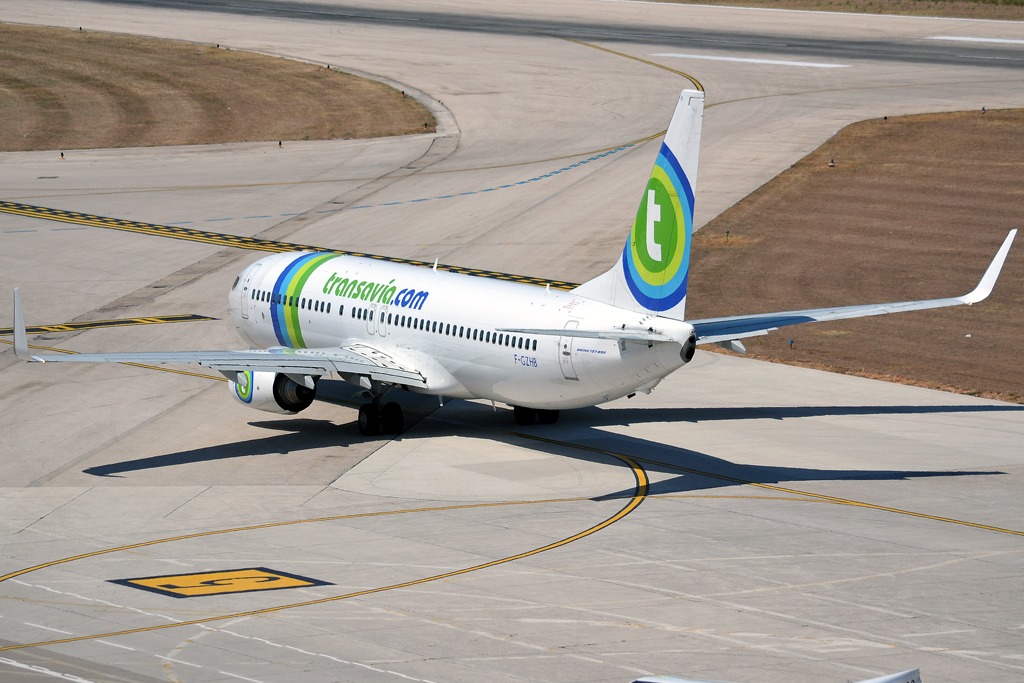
[(369, 419), (547, 417), (392, 419), (524, 416)]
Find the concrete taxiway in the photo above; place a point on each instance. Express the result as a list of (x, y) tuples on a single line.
[(746, 521)]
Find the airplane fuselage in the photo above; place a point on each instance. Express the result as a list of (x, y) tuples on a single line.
[(449, 326)]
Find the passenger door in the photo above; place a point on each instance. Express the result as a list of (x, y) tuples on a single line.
[(382, 323), (247, 299), (371, 320), (565, 345)]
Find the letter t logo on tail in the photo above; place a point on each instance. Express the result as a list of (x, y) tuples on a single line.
[(653, 216)]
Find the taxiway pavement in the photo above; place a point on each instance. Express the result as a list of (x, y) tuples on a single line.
[(782, 523)]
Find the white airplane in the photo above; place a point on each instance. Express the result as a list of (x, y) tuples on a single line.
[(379, 324), (912, 676)]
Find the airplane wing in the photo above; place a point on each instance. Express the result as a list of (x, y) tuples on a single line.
[(358, 359), (718, 330)]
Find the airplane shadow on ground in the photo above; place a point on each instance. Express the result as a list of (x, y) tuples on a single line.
[(702, 471), (300, 435)]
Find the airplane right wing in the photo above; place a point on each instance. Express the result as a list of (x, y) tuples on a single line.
[(719, 330)]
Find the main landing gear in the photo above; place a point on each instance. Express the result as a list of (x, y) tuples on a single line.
[(376, 416), (526, 416), (374, 419)]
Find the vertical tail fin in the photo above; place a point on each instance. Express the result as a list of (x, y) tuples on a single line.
[(651, 275)]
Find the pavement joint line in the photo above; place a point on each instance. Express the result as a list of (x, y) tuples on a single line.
[(250, 243), (640, 491), (599, 154)]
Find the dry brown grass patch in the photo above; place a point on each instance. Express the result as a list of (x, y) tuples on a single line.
[(914, 209), (62, 89)]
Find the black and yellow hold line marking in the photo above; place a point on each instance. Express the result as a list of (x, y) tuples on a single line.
[(250, 243), (640, 491), (98, 324), (246, 580)]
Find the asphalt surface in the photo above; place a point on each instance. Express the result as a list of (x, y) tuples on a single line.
[(744, 522)]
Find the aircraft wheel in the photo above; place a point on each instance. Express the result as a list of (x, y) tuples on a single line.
[(547, 417), (524, 416), (369, 419), (392, 420)]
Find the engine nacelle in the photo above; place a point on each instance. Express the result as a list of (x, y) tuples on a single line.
[(271, 392), (689, 348)]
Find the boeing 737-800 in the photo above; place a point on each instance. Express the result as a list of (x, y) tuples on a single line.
[(379, 324)]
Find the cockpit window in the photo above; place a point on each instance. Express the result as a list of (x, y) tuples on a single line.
[(237, 278)]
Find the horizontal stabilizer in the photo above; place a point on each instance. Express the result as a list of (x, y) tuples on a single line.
[(617, 335)]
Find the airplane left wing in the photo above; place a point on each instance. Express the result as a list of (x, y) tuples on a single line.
[(716, 330), (355, 360)]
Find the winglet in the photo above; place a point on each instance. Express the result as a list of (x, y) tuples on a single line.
[(988, 280), (20, 338)]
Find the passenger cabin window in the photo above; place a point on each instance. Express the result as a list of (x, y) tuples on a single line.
[(389, 318), (341, 310), (534, 344), (328, 306)]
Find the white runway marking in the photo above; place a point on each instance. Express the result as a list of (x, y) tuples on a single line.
[(1002, 59), (67, 633), (107, 642), (968, 39), (228, 673), (43, 670), (178, 661), (748, 60)]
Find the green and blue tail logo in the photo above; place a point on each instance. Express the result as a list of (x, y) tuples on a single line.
[(656, 259)]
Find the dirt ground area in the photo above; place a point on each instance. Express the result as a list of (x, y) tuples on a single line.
[(915, 208), (979, 9), (62, 89)]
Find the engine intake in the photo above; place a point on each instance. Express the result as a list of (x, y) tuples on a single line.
[(272, 392)]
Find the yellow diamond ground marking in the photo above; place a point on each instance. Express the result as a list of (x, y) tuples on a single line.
[(219, 583)]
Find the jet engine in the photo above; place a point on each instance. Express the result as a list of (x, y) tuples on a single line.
[(689, 348), (272, 392)]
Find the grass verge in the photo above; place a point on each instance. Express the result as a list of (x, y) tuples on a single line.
[(914, 208), (63, 89)]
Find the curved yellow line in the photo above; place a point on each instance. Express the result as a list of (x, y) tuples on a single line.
[(640, 492), (688, 77)]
